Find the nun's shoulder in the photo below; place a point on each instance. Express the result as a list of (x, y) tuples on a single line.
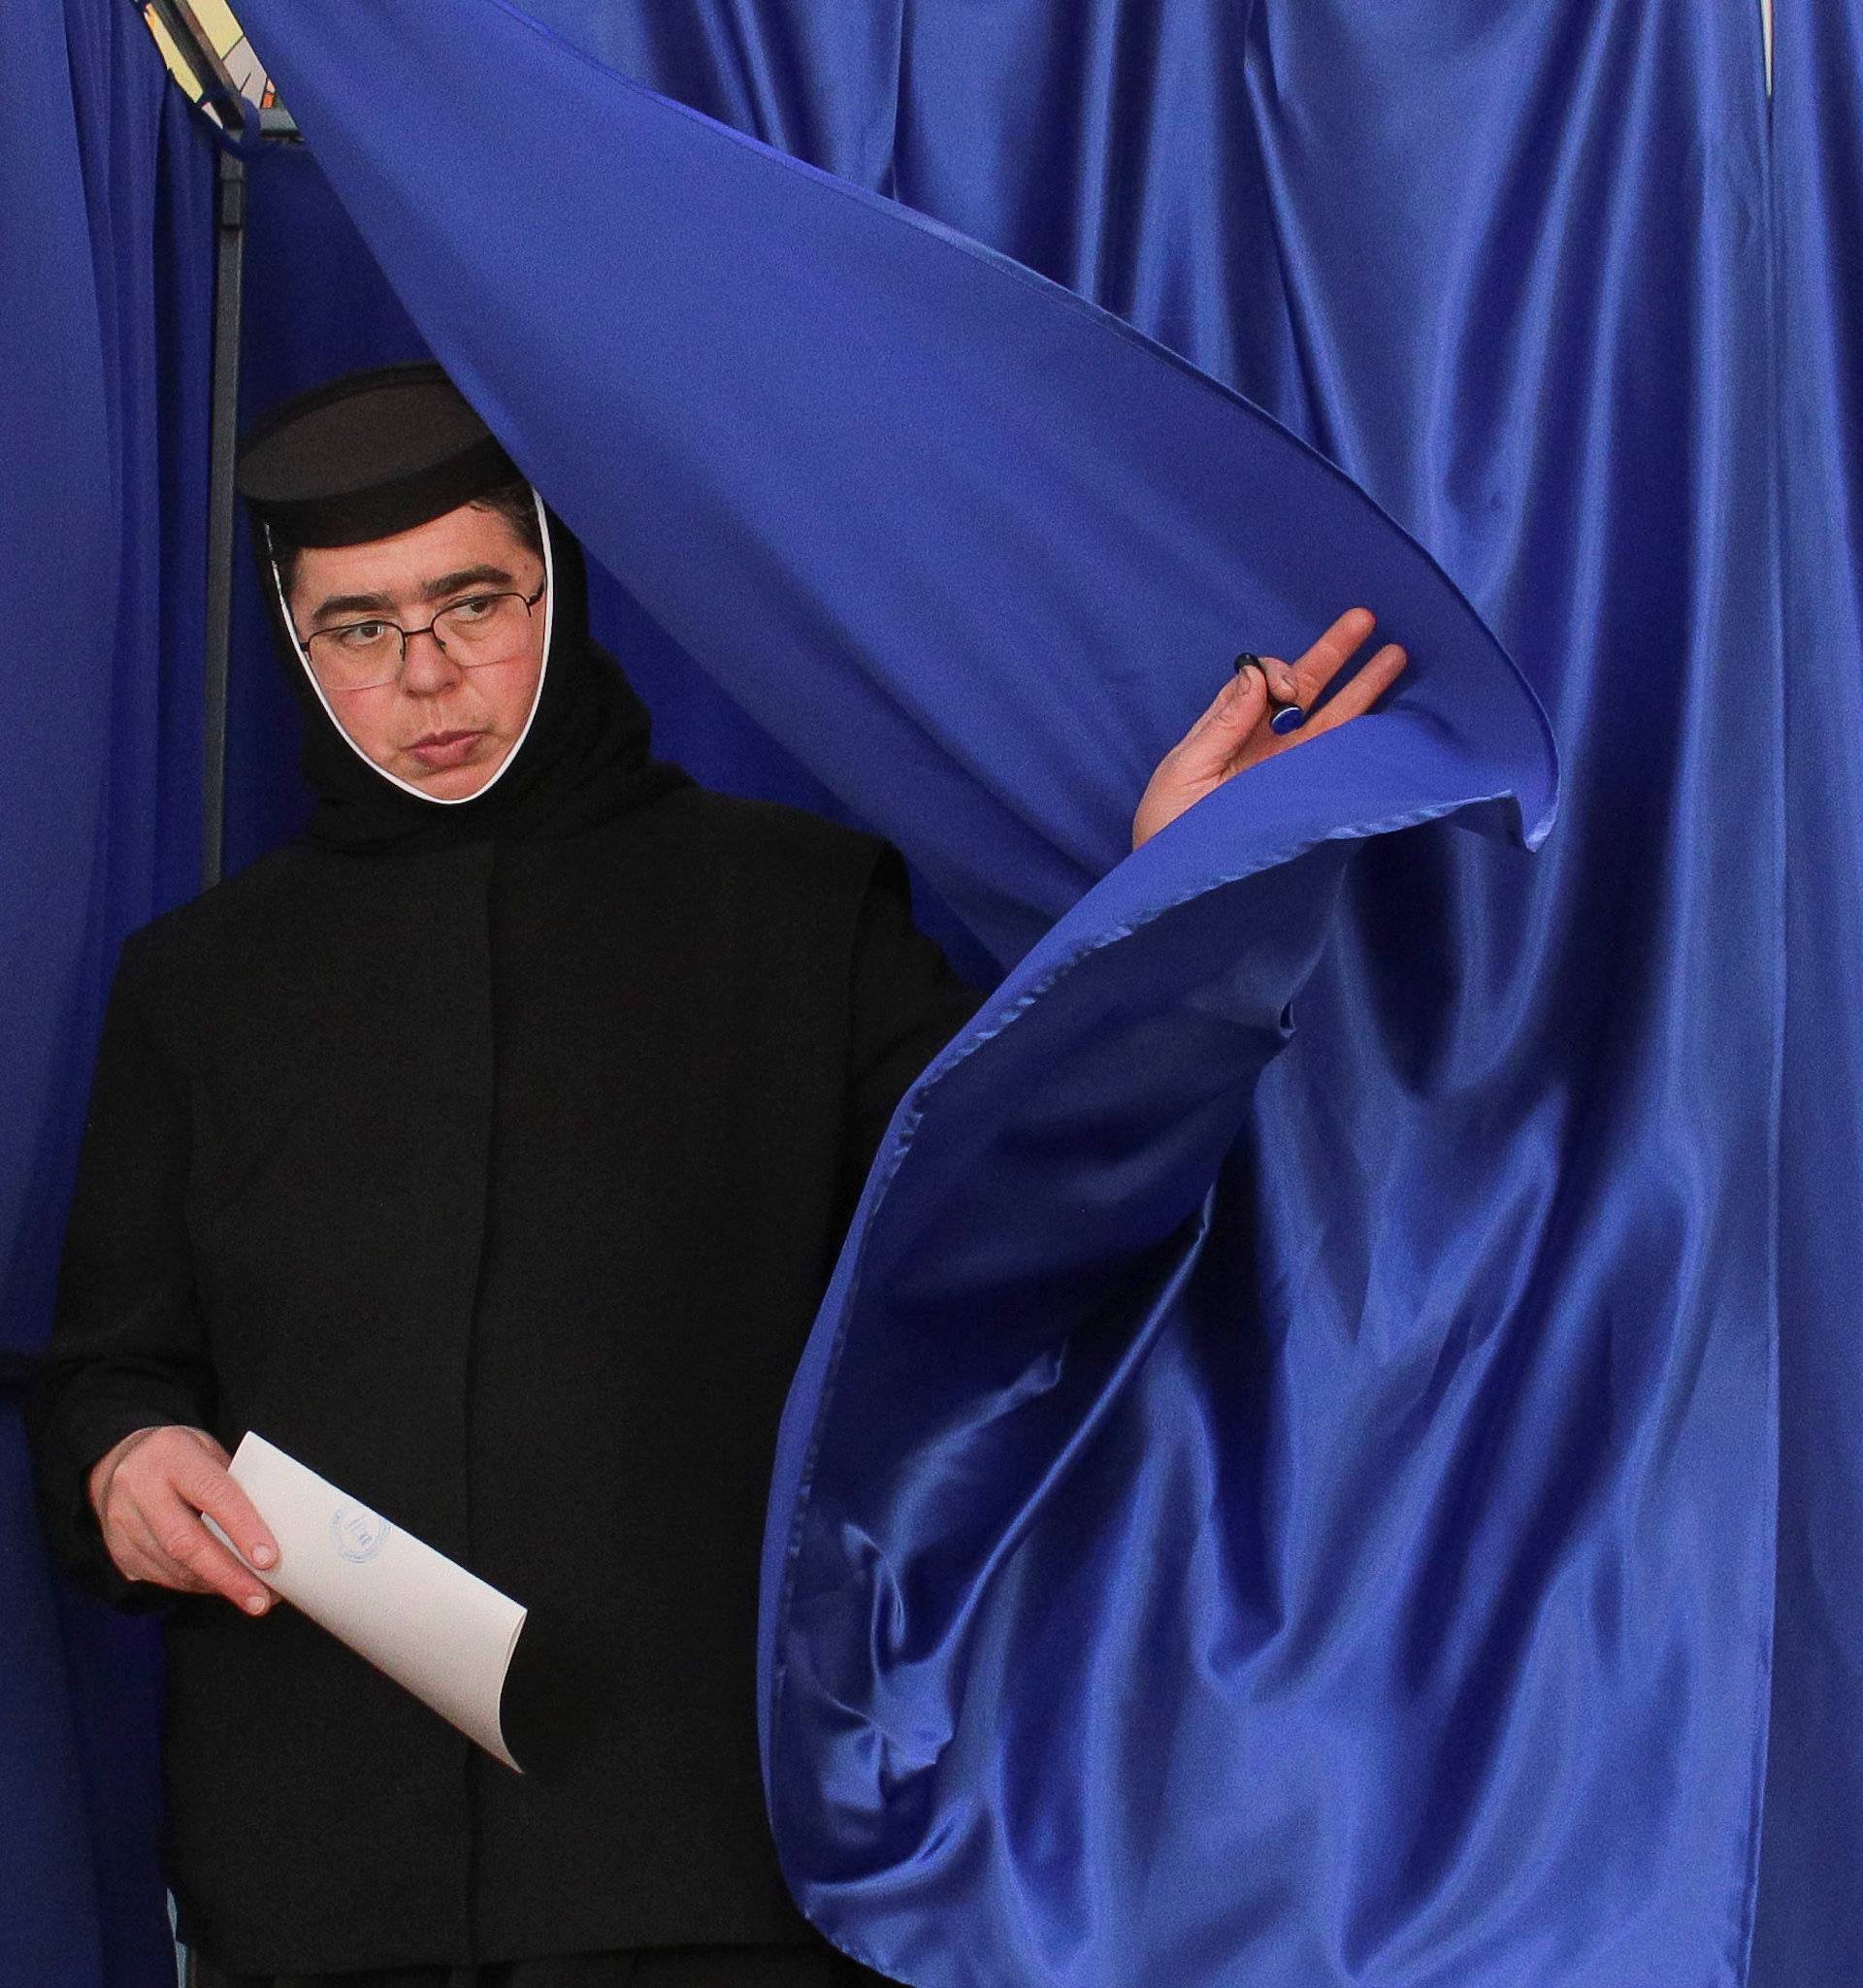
[(264, 900)]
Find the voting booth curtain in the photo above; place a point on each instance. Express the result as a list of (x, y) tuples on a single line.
[(1331, 1453), (106, 264)]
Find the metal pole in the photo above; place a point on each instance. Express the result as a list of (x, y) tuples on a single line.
[(228, 273)]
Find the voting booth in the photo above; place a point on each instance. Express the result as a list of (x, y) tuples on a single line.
[(1321, 1457)]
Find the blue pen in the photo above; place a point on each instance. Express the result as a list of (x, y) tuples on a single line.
[(1282, 717)]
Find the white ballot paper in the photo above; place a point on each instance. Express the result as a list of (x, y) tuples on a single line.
[(438, 1631)]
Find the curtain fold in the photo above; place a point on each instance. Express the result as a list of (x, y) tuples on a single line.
[(968, 547), (106, 192), (1351, 1555), (1811, 1908)]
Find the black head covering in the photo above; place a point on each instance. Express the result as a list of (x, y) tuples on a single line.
[(379, 452)]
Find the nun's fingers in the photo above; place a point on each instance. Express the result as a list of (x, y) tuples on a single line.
[(1283, 684), (1209, 752), (203, 1481), (1359, 694), (1329, 655), (139, 1557), (1234, 709), (133, 1547), (175, 1520), (166, 1477)]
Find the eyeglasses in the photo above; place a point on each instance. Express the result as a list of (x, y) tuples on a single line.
[(364, 654)]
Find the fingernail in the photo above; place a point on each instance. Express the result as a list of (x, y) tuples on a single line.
[(262, 1556), (255, 1605)]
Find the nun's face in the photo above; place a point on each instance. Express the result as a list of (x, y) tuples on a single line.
[(448, 720)]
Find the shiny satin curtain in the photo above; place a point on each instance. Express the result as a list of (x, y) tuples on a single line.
[(1563, 289), (1810, 1905), (1368, 1572), (1378, 1586), (1463, 1590), (105, 263)]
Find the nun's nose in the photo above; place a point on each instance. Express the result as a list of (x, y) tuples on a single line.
[(427, 667)]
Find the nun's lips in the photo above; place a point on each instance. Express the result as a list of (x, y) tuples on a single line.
[(445, 748)]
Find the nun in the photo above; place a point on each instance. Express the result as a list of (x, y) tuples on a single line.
[(487, 1149)]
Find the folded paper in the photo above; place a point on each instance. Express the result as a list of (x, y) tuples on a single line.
[(436, 1630)]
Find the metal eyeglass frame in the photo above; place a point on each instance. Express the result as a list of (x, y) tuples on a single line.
[(408, 634)]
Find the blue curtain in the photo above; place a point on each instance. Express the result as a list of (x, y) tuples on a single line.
[(1349, 1554), (106, 192), (1811, 1907), (1419, 1546)]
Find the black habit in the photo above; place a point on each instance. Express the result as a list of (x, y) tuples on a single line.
[(491, 1159)]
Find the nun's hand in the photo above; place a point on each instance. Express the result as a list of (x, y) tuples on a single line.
[(148, 1493), (1233, 733)]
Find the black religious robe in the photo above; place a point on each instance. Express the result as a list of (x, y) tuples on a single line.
[(498, 1181)]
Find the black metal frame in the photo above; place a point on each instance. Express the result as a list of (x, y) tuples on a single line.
[(228, 298), (182, 24)]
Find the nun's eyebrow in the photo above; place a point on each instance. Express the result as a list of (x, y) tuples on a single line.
[(467, 576), (352, 603), (433, 590)]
